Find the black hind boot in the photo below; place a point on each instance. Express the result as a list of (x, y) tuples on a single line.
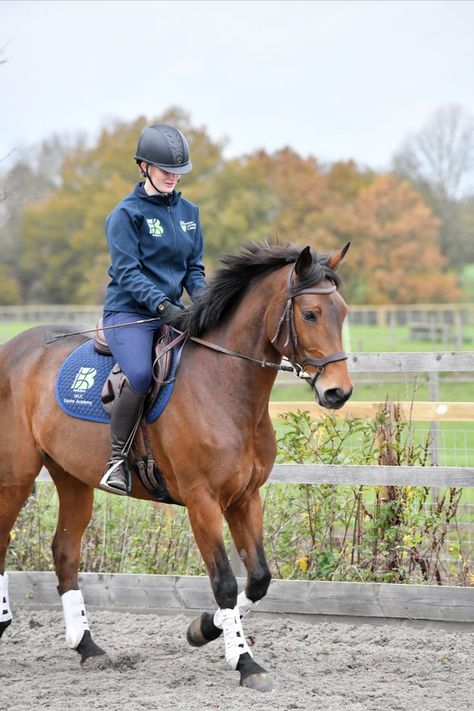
[(126, 414)]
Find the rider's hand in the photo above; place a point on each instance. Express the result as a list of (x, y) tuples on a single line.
[(168, 312)]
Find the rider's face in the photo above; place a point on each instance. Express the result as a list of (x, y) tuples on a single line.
[(163, 181)]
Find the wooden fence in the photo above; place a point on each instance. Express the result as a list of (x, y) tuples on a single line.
[(310, 598), (373, 315)]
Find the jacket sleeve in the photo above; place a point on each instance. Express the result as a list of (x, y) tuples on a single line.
[(195, 280), (122, 233)]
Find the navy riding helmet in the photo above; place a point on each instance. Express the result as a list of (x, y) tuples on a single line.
[(166, 147)]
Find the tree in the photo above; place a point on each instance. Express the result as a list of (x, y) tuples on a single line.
[(439, 162), (395, 257), (282, 195)]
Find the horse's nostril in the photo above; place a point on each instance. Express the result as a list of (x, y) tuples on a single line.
[(336, 396)]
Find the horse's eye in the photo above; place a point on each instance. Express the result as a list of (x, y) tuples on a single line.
[(310, 315)]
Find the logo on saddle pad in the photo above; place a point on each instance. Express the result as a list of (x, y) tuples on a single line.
[(84, 379), (155, 227)]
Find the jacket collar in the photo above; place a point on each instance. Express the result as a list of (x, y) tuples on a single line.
[(160, 198)]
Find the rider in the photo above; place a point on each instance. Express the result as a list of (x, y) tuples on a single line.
[(156, 246)]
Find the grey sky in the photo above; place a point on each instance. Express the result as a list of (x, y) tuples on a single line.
[(334, 79)]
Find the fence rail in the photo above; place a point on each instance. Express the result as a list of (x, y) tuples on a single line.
[(413, 411), (170, 594)]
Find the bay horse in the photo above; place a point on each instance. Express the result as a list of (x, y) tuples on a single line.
[(215, 442)]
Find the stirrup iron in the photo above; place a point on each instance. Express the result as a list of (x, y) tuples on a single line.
[(113, 489)]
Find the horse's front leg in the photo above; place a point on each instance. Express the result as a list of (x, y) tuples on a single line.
[(246, 527), (206, 521), (75, 511)]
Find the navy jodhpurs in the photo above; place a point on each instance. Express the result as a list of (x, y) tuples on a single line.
[(132, 346)]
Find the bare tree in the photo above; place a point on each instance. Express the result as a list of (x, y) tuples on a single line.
[(439, 161), (441, 154)]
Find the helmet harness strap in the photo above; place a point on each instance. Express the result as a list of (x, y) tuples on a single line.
[(146, 174)]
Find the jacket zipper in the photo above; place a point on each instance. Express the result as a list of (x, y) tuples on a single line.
[(174, 250)]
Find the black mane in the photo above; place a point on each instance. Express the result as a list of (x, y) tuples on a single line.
[(238, 272)]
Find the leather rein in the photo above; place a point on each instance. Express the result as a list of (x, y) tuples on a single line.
[(288, 317)]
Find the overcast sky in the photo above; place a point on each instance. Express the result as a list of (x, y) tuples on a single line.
[(333, 79)]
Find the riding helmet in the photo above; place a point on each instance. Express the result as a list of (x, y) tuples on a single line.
[(166, 147)]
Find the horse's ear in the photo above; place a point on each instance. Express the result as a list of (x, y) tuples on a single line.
[(335, 258), (304, 262)]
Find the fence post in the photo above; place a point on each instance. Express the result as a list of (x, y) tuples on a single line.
[(433, 384)]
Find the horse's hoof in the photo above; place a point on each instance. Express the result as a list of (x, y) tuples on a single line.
[(100, 661), (202, 630), (258, 682), (252, 675), (3, 626), (194, 635)]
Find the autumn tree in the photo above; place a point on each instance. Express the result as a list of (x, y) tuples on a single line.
[(394, 257), (278, 196)]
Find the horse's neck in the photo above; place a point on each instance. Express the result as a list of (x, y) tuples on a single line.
[(246, 334)]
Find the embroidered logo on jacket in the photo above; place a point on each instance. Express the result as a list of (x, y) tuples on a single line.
[(155, 227), (185, 226)]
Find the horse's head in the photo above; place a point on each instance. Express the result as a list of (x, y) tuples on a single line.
[(312, 319)]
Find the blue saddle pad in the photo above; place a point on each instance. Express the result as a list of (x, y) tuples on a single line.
[(81, 379)]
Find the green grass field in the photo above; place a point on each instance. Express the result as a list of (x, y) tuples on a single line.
[(397, 339), (9, 330)]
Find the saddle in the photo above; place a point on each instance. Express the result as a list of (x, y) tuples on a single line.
[(147, 469), (162, 359)]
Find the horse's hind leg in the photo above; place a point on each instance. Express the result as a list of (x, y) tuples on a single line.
[(75, 511), (12, 498)]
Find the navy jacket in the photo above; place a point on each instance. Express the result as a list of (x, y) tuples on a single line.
[(156, 246)]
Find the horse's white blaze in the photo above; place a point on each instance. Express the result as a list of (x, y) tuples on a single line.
[(235, 643), (5, 612), (244, 604), (74, 617)]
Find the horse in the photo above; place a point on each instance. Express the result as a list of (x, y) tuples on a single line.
[(214, 442)]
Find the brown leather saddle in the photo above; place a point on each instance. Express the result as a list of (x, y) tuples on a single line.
[(162, 359)]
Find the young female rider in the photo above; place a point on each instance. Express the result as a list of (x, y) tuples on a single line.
[(156, 245)]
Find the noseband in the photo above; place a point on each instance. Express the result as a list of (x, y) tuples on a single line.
[(288, 317)]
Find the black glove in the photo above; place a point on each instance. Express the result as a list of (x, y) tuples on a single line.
[(168, 312)]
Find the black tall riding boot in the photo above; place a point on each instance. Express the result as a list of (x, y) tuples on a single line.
[(126, 412)]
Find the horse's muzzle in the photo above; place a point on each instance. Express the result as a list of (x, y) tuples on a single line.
[(333, 398)]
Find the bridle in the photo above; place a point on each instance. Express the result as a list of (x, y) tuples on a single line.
[(288, 317)]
